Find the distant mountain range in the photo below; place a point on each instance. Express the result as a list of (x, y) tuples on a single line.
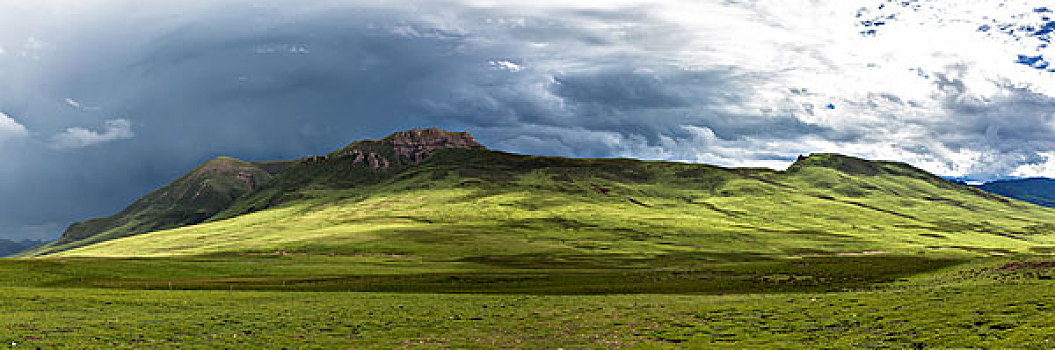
[(440, 195), (1040, 191), (9, 247)]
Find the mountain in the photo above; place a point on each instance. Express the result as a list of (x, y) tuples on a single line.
[(360, 163), (1039, 191), (190, 199), (441, 196), (10, 247)]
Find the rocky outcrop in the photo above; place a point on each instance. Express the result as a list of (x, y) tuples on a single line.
[(377, 162), (249, 179), (418, 144), (407, 148)]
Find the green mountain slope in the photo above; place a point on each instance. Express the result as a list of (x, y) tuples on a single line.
[(190, 199), (1038, 191), (358, 164), (448, 200)]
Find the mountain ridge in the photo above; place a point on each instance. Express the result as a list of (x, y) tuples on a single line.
[(190, 199), (1037, 190), (432, 163)]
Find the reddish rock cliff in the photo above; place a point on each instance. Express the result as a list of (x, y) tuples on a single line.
[(407, 147), (417, 144)]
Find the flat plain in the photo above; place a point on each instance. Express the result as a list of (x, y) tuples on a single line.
[(300, 302)]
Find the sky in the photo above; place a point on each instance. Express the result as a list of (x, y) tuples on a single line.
[(102, 101)]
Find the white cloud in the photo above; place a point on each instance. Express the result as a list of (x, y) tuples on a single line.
[(73, 103), (1041, 169), (74, 138), (274, 49), (80, 106), (506, 65), (11, 129), (35, 48), (928, 87), (794, 76)]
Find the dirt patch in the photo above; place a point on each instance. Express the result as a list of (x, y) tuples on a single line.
[(602, 190), (821, 255), (1036, 265), (355, 255), (871, 252)]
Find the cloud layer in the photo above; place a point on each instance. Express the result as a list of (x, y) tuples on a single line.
[(11, 129), (74, 138), (103, 100)]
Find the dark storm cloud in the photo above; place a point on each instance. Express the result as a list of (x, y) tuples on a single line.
[(621, 90), (104, 105), (115, 107), (118, 107)]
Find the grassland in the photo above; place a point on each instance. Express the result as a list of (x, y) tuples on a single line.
[(861, 302), (190, 199)]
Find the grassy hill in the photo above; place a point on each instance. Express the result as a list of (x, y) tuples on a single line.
[(1038, 191), (191, 199), (471, 205)]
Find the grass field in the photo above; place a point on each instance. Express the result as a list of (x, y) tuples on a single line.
[(842, 302)]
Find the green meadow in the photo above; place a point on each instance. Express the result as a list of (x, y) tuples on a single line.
[(300, 302)]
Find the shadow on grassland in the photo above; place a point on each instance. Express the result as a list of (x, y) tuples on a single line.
[(815, 274)]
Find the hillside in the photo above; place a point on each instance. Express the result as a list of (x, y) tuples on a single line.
[(434, 196), (1039, 191), (190, 199), (360, 163)]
